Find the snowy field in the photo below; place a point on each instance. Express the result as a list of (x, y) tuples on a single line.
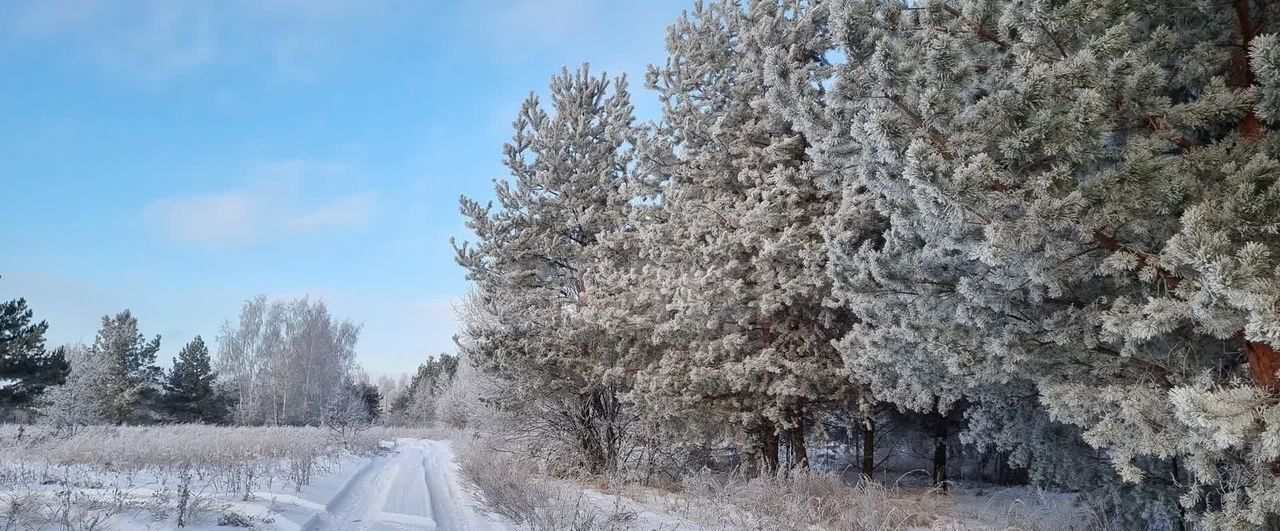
[(305, 478), (213, 477)]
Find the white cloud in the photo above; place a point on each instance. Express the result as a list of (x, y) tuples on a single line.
[(541, 20), (159, 39), (277, 200), (212, 219), (352, 210)]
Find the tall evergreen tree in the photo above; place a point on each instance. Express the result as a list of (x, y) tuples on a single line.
[(736, 243), (531, 259), (1069, 204), (189, 392), (130, 374), (26, 368)]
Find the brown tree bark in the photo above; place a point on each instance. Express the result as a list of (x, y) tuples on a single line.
[(1263, 359), (1241, 74)]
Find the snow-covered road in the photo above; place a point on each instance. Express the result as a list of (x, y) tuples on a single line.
[(415, 488)]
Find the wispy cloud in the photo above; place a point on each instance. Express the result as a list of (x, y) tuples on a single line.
[(160, 39), (540, 21), (351, 210), (276, 200)]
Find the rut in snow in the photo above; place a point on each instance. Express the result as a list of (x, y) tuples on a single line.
[(416, 488)]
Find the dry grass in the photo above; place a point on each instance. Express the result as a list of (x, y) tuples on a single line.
[(801, 499), (518, 490), (1019, 509)]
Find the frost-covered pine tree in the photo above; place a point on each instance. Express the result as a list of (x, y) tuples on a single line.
[(530, 261), (26, 366), (129, 372), (190, 393), (737, 237), (417, 402), (1078, 200)]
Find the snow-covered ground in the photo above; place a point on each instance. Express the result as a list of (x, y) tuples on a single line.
[(288, 479), (414, 488), (967, 509), (410, 485)]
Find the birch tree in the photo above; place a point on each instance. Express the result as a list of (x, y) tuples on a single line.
[(285, 361)]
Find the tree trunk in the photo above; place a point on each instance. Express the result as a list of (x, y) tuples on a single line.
[(1263, 361), (599, 435), (588, 439), (608, 411), (1241, 74), (797, 452), (940, 452), (768, 439), (869, 447)]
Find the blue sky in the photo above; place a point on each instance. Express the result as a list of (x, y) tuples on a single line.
[(176, 157)]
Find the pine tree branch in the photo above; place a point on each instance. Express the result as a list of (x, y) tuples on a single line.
[(1055, 40), (935, 136), (1110, 243), (977, 28), (1262, 359)]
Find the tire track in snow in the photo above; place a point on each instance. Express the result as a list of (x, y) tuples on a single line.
[(415, 489), (445, 508), (360, 500), (409, 501)]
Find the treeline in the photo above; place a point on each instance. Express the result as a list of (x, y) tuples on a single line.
[(283, 363), (1052, 227)]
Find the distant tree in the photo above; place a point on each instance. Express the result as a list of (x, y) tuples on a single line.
[(391, 387), (285, 361), (129, 364), (74, 402), (189, 392), (351, 409), (368, 397), (429, 381), (26, 368)]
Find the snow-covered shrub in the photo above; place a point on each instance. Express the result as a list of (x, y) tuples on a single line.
[(71, 404)]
